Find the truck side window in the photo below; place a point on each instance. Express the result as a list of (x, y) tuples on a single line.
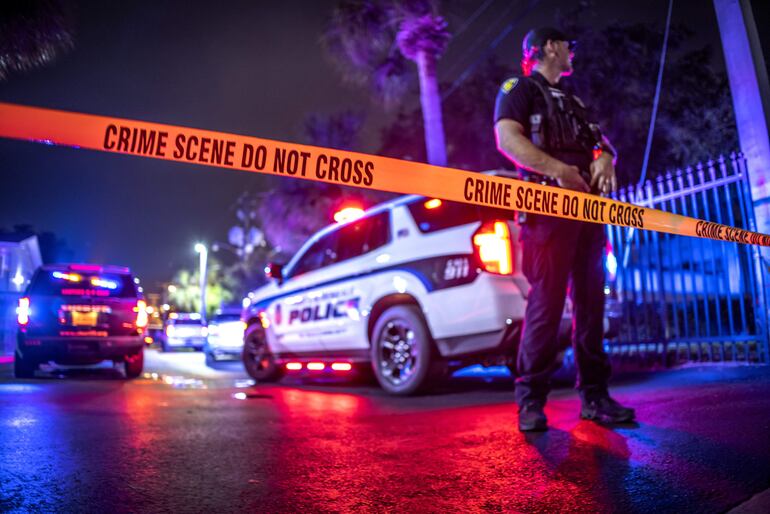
[(363, 236), (322, 253), (432, 215)]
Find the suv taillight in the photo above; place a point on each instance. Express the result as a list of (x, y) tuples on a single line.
[(492, 245), (141, 313), (22, 311)]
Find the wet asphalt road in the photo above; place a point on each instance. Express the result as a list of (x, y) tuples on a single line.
[(88, 441)]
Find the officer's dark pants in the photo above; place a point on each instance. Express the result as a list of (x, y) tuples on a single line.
[(555, 251)]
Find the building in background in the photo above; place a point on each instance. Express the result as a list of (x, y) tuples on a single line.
[(19, 258)]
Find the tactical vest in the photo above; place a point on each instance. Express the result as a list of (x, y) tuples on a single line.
[(559, 124)]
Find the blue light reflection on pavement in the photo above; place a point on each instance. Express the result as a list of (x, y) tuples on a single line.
[(19, 388)]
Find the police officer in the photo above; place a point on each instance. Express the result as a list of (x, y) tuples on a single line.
[(548, 134)]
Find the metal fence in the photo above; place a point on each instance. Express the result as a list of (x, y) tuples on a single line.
[(689, 299)]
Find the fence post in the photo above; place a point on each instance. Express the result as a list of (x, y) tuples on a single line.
[(761, 314)]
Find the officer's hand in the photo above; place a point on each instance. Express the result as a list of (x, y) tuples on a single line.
[(570, 178), (603, 174)]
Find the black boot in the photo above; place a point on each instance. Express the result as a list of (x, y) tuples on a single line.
[(606, 410), (532, 418)]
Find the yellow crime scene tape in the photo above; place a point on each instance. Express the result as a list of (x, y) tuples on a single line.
[(223, 150)]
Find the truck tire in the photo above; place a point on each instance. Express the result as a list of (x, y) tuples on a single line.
[(257, 358), (23, 368), (402, 351), (134, 364)]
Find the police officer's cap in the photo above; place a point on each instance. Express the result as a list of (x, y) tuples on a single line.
[(538, 37)]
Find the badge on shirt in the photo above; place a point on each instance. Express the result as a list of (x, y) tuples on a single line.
[(509, 84)]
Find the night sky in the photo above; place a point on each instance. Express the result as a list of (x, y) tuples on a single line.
[(246, 67)]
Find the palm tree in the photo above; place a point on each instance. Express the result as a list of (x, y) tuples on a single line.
[(370, 41), (422, 40), (187, 294), (33, 33)]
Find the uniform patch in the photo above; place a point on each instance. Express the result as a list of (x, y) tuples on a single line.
[(509, 84)]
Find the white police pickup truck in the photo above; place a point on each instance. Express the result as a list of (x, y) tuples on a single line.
[(413, 287)]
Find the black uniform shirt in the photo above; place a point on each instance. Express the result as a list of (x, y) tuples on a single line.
[(518, 99)]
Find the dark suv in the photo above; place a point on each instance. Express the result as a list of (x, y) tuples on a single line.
[(81, 314)]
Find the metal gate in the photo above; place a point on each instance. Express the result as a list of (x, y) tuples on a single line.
[(683, 299)]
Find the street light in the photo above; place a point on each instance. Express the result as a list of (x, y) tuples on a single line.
[(203, 252)]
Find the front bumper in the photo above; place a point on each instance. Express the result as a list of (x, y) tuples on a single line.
[(225, 352), (75, 350)]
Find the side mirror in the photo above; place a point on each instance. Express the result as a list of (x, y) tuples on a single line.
[(275, 271)]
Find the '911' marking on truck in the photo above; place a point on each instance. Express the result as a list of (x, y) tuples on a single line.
[(456, 268)]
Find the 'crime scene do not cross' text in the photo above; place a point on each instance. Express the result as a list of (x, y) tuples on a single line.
[(531, 198), (200, 148)]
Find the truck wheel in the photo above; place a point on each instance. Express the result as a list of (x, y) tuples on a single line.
[(134, 364), (402, 351), (23, 368), (258, 360)]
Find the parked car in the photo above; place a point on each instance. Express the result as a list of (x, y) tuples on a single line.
[(225, 336), (415, 287), (154, 325), (80, 314), (184, 330)]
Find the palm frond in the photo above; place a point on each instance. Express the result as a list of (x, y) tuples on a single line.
[(33, 33)]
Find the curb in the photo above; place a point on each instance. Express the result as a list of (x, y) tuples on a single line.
[(760, 502)]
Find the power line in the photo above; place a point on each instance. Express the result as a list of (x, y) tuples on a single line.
[(471, 49), (656, 100), (472, 18), (492, 46)]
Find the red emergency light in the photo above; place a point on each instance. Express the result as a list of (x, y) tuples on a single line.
[(348, 214)]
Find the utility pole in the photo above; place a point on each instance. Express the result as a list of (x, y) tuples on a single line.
[(751, 97), (751, 102), (203, 252)]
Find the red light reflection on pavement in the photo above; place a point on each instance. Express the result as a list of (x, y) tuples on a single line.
[(346, 452), (292, 449), (310, 404), (342, 452)]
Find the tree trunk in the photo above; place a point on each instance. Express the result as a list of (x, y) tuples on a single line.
[(431, 109)]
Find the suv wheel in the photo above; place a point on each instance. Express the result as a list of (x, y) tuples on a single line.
[(134, 364), (257, 358), (402, 350), (23, 368)]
